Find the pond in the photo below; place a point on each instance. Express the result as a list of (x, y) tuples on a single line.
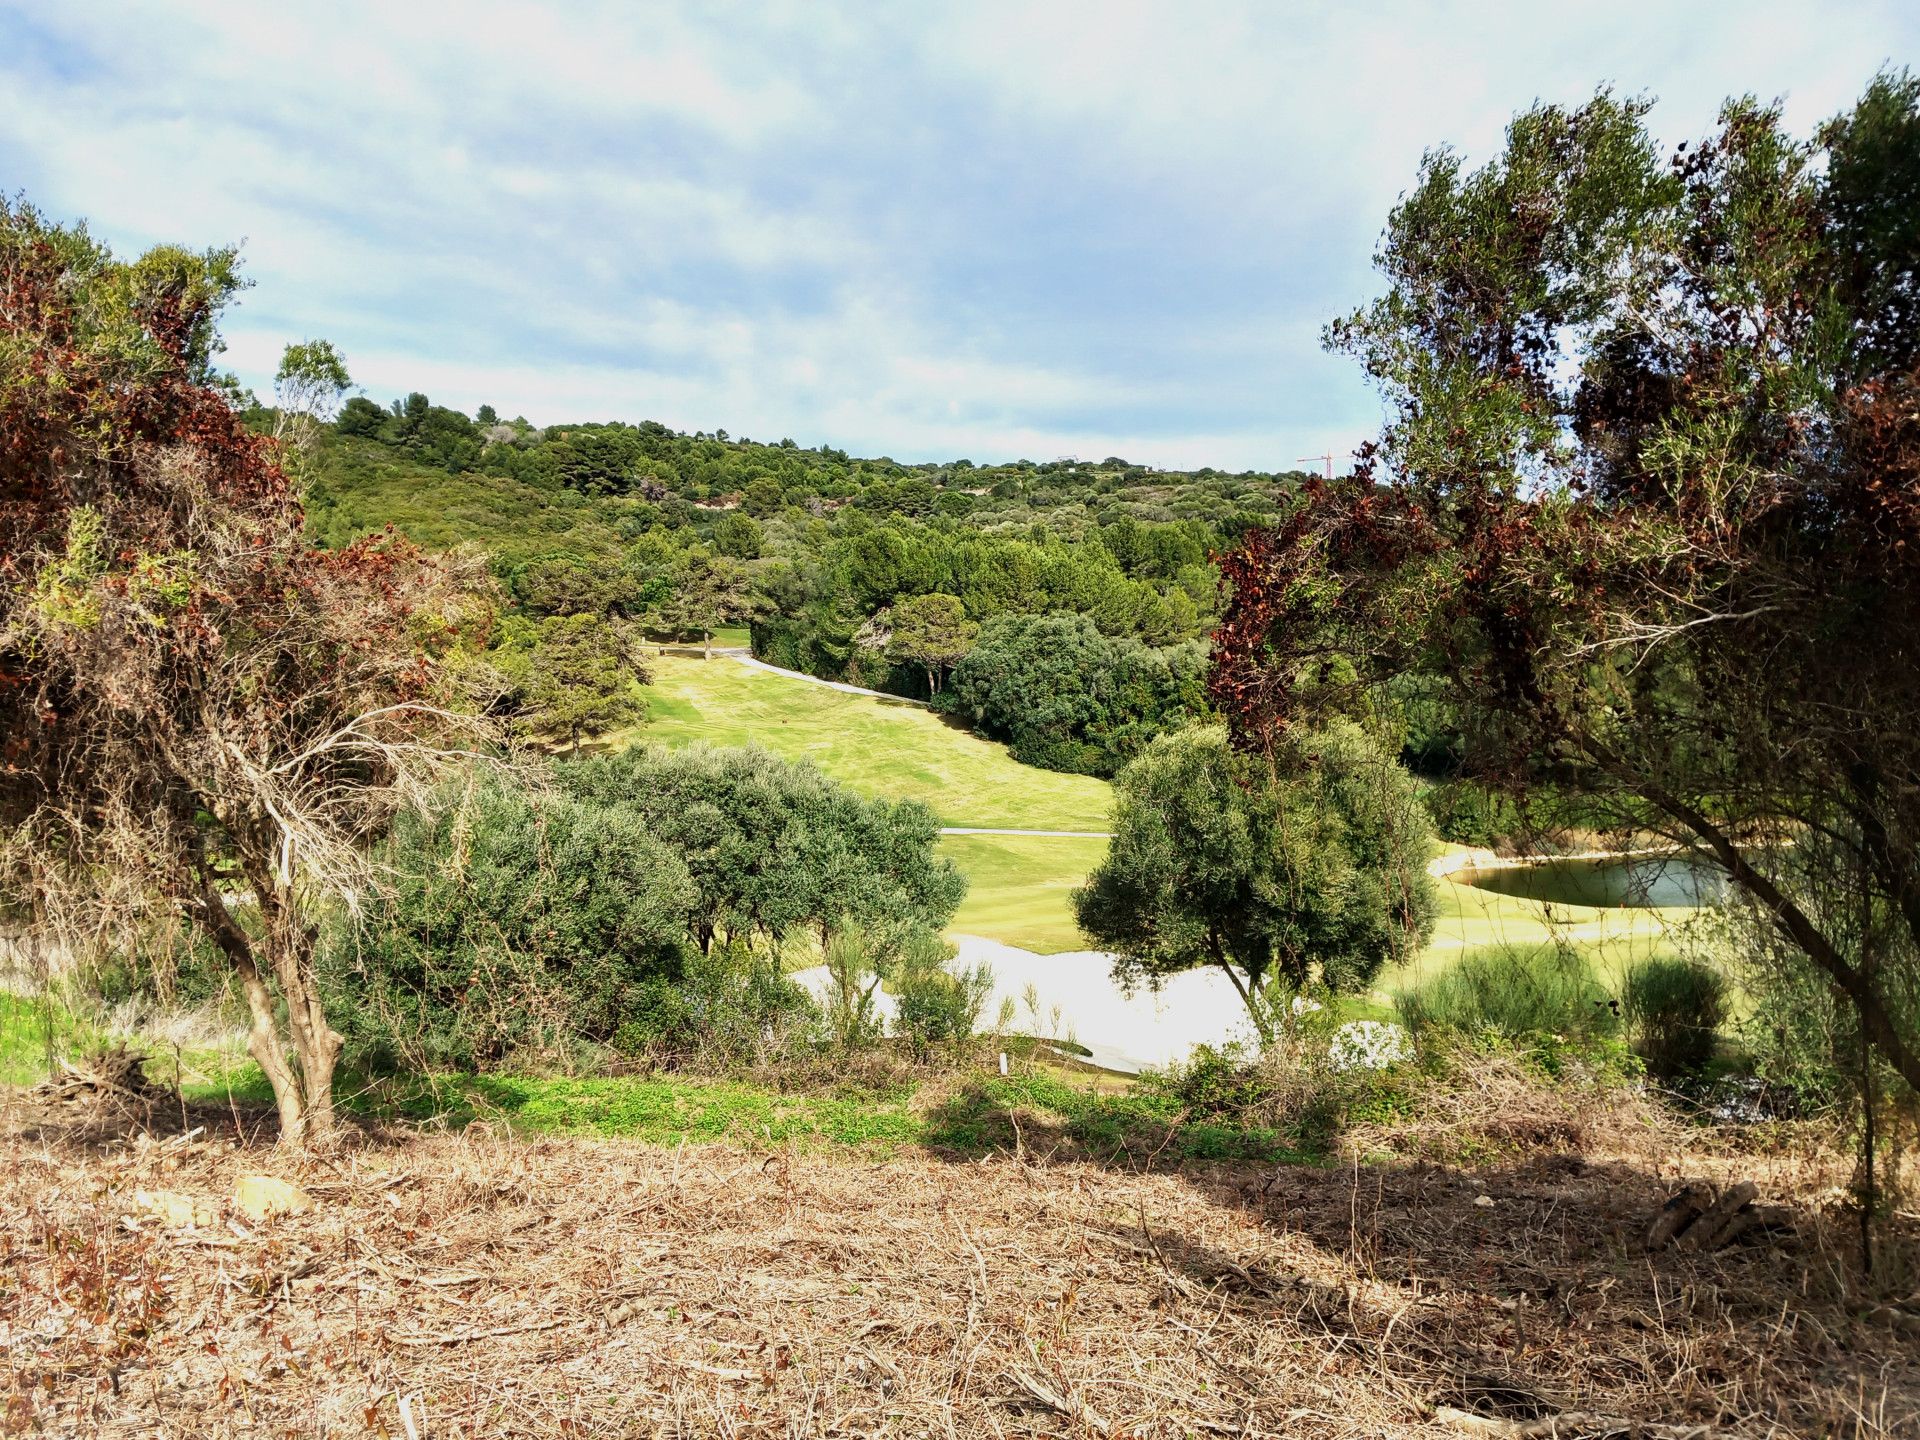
[(1612, 881)]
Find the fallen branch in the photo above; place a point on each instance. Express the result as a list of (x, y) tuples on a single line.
[(461, 1337), (1051, 1399)]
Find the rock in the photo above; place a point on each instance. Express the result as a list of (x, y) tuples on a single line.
[(1485, 1202), (261, 1197), (174, 1210)]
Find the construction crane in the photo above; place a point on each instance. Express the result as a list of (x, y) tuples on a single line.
[(1326, 459)]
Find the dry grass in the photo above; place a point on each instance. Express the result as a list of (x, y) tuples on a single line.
[(482, 1284)]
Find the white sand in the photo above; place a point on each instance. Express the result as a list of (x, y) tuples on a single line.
[(1075, 998)]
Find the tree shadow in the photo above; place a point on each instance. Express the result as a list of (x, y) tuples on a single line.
[(1524, 1289), (99, 1126), (1510, 1283)]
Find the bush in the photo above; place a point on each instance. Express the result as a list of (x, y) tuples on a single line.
[(937, 1008), (1513, 993), (731, 1007), (1288, 1090), (1066, 697), (1674, 1010), (519, 929)]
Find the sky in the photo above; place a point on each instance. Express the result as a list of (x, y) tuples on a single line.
[(929, 231)]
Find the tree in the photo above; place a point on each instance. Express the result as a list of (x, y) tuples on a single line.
[(932, 631), (714, 590), (777, 849), (361, 417), (577, 675), (1309, 865), (203, 716), (739, 535), (1650, 504), (307, 390), (1066, 697)]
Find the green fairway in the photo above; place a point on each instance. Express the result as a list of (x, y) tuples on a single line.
[(1017, 887), (880, 747), (1018, 884)]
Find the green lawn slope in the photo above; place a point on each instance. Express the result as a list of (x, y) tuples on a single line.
[(880, 747)]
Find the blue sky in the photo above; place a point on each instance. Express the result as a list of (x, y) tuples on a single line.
[(912, 229)]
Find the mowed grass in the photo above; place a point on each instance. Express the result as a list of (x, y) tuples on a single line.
[(1612, 938), (1018, 888), (879, 747)]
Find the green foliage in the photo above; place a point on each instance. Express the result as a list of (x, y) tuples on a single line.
[(932, 631), (776, 849), (1290, 1090), (64, 590), (714, 591), (937, 1008), (1514, 993), (312, 375), (573, 675), (1674, 1009), (737, 534), (1311, 869), (1066, 697), (1596, 352), (518, 926)]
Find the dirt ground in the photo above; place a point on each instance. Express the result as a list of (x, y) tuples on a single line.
[(483, 1284)]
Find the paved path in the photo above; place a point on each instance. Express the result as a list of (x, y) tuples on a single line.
[(1051, 834), (840, 685)]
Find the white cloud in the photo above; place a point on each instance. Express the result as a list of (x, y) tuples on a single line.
[(994, 229)]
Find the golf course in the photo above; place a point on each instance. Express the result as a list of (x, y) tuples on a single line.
[(1019, 885)]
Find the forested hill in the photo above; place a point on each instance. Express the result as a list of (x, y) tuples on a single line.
[(379, 465), (1068, 600)]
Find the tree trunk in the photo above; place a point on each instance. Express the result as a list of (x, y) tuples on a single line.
[(706, 639), (1262, 1023), (302, 1088), (316, 1044), (264, 1042)]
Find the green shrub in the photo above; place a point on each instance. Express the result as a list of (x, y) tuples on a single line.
[(1512, 993), (733, 1006), (1288, 1091), (1674, 1010), (937, 1008), (519, 929)]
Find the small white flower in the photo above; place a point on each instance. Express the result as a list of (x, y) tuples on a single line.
[(1368, 1045)]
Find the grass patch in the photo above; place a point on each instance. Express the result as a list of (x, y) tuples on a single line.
[(1018, 888), (24, 1030), (1043, 1112), (878, 747), (655, 1109), (1514, 992)]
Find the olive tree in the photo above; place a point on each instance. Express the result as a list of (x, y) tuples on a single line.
[(1280, 871)]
